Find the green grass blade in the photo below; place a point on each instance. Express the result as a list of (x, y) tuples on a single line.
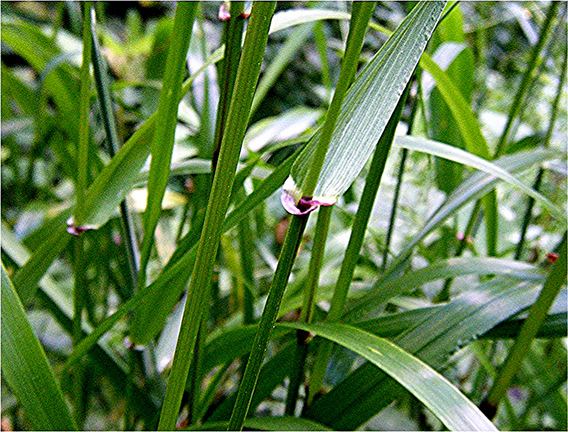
[(471, 188), (473, 138), (438, 394), (25, 367), (292, 45), (365, 392), (463, 157), (384, 290), (528, 77), (355, 243), (163, 140)]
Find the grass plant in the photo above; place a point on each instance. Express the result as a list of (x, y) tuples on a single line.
[(161, 268)]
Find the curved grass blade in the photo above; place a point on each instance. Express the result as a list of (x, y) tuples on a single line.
[(463, 157), (473, 187), (438, 394), (384, 290), (25, 367), (163, 140), (365, 392)]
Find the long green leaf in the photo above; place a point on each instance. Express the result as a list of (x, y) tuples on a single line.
[(439, 395), (164, 131), (471, 188), (384, 290), (25, 367)]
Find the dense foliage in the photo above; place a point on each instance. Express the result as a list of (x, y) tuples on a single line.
[(284, 215)]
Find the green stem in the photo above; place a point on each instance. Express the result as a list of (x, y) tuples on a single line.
[(358, 230), (246, 246), (233, 36), (537, 314), (536, 186), (279, 283), (237, 120), (79, 290), (400, 173), (360, 18), (310, 291), (127, 226), (321, 45), (470, 229), (113, 145)]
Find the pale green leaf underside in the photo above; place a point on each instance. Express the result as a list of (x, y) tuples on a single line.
[(436, 392), (367, 107)]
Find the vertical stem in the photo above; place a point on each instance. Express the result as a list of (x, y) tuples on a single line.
[(527, 80), (127, 226), (285, 263), (79, 290), (163, 138), (361, 15), (113, 145), (310, 291), (237, 120), (400, 173)]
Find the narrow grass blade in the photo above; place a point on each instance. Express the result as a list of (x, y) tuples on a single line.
[(365, 392), (471, 188), (355, 243), (294, 42), (384, 290), (163, 140), (438, 394), (463, 157), (25, 367)]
